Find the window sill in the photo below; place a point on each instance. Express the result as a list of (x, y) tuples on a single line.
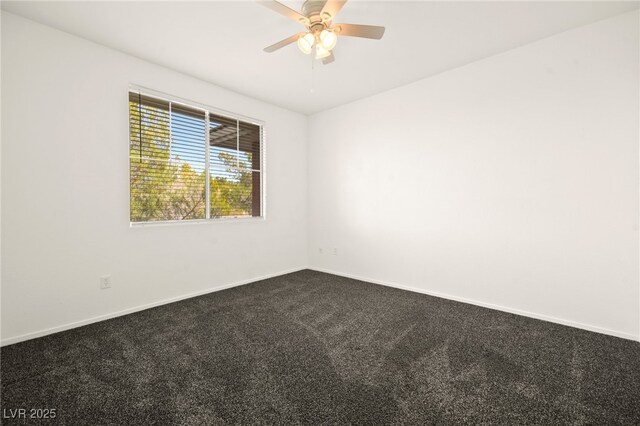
[(195, 221)]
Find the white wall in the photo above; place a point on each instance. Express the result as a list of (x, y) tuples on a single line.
[(65, 189), (509, 182)]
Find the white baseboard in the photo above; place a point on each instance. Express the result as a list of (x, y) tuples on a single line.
[(68, 326), (75, 324), (487, 305)]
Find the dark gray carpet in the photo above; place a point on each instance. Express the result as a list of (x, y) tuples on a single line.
[(313, 348)]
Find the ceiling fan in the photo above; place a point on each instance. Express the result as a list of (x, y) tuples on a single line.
[(322, 34)]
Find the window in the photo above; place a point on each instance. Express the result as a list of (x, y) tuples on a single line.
[(188, 163)]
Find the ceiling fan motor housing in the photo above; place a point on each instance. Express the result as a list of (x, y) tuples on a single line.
[(312, 9)]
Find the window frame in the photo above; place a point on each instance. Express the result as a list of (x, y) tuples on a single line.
[(207, 109)]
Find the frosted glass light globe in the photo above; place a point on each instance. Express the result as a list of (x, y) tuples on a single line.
[(328, 39), (321, 52), (305, 43)]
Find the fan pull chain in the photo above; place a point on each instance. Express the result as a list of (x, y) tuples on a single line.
[(313, 73)]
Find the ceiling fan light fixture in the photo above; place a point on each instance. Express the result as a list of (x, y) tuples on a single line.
[(305, 43), (321, 51), (328, 39), (320, 34)]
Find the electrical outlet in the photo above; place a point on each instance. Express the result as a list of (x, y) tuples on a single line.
[(335, 251), (105, 282), (320, 250)]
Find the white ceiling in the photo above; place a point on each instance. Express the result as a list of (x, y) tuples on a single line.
[(221, 42)]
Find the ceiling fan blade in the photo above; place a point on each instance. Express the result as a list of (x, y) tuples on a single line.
[(331, 9), (284, 10), (328, 59), (282, 43), (354, 30)]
